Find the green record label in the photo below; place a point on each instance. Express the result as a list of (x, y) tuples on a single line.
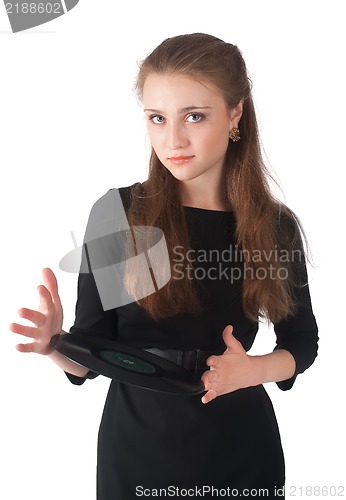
[(126, 361)]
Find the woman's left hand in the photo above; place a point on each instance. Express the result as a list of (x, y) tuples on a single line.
[(233, 370)]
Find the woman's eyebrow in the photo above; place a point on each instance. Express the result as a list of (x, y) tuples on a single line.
[(182, 110)]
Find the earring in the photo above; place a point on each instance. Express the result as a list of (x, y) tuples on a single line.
[(234, 134)]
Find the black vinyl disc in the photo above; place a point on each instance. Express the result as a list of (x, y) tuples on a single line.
[(127, 364)]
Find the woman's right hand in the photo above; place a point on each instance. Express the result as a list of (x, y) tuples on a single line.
[(47, 319)]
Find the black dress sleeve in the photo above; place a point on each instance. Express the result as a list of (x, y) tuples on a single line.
[(91, 318), (298, 334), (91, 315), (107, 217)]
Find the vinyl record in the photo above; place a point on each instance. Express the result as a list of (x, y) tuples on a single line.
[(127, 364)]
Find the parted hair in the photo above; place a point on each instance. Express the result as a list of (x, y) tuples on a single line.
[(263, 223)]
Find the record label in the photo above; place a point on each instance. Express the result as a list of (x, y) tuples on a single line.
[(125, 361)]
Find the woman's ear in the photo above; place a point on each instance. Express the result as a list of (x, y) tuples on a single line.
[(236, 114)]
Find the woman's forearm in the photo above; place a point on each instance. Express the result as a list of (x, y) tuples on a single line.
[(277, 366)]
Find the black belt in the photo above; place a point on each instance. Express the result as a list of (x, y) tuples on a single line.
[(194, 361)]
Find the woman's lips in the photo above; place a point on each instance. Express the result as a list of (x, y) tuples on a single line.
[(178, 160)]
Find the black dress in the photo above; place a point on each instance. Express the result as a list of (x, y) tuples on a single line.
[(149, 440)]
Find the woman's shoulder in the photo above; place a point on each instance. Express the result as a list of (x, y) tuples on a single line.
[(127, 192), (112, 206), (116, 195)]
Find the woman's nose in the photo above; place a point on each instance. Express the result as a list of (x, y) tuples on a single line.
[(176, 137)]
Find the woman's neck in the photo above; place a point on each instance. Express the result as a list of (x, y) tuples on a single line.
[(200, 195)]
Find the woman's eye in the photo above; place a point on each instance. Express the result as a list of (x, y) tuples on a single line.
[(195, 117), (156, 119)]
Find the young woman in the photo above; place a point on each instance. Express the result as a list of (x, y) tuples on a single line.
[(236, 255)]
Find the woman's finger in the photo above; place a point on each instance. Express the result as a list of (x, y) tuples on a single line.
[(46, 302), (51, 284), (209, 396), (213, 361), (29, 347), (27, 331), (35, 317), (209, 378)]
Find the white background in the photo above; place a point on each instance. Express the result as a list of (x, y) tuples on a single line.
[(71, 129)]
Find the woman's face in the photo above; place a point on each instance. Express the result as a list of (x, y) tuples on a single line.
[(188, 125)]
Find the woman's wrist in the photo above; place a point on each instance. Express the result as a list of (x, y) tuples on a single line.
[(53, 341), (277, 366)]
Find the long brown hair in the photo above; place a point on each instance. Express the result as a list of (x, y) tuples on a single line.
[(264, 226)]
